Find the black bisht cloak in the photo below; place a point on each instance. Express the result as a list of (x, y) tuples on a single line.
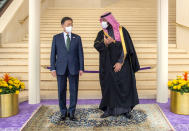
[(118, 89)]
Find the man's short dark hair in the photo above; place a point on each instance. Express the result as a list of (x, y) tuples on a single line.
[(65, 19)]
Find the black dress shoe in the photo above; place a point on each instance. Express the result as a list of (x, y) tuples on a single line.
[(128, 115), (105, 115), (62, 117), (68, 114), (72, 117)]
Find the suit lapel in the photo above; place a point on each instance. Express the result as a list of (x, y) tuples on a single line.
[(72, 40), (63, 41)]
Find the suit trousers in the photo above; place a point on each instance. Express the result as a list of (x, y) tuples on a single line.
[(62, 89)]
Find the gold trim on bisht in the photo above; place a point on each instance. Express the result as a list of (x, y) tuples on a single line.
[(123, 41)]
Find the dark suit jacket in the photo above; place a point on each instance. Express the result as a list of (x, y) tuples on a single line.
[(61, 58)]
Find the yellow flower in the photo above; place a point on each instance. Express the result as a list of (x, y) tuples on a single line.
[(4, 84), (175, 81), (16, 81), (22, 83), (17, 85), (23, 87), (170, 83), (10, 87), (13, 79), (1, 90), (179, 87), (17, 92), (181, 81), (10, 82), (174, 87)]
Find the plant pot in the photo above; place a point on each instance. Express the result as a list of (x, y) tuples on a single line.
[(179, 103), (8, 105)]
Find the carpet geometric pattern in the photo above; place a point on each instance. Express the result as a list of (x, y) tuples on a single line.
[(145, 117)]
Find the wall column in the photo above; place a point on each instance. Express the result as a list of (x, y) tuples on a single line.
[(34, 52), (162, 69)]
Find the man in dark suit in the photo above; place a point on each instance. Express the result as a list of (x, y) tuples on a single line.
[(67, 61)]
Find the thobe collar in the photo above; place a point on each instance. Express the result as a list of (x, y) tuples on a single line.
[(110, 31)]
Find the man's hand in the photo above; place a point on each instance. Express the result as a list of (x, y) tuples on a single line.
[(80, 72), (117, 67), (53, 73), (108, 40)]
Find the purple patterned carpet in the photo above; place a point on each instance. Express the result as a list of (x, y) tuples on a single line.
[(180, 122)]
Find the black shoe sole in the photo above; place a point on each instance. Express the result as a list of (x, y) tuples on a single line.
[(73, 119), (104, 116), (128, 116), (63, 119)]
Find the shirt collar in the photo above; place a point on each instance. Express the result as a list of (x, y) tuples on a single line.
[(65, 34)]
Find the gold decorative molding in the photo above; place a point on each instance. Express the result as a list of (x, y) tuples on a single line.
[(184, 26)]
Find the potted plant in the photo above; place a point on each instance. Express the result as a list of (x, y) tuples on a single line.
[(179, 97), (9, 90)]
